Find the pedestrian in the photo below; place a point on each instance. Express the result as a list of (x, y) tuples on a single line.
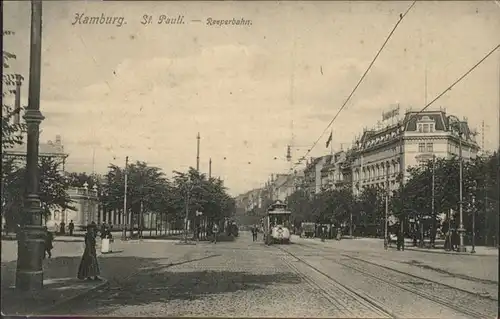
[(89, 266), (455, 239), (71, 227), (103, 230), (63, 228), (48, 244), (400, 239), (254, 232), (215, 232)]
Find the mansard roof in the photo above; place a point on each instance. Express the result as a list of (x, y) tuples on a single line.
[(439, 117)]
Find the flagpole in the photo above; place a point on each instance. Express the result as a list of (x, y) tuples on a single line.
[(331, 144)]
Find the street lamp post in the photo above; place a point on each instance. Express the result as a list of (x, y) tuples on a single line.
[(86, 206), (473, 251), (94, 196), (125, 215), (386, 239), (456, 122), (30, 248), (188, 190), (461, 230)]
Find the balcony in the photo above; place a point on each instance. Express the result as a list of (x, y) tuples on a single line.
[(80, 192)]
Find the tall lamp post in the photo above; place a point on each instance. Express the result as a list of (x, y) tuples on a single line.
[(473, 211), (94, 196), (86, 205), (30, 248), (188, 191), (455, 122)]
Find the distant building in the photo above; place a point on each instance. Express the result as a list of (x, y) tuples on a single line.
[(337, 171), (378, 153), (312, 174), (51, 149), (85, 201)]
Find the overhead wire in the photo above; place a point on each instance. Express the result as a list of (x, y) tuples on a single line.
[(452, 85), (402, 16)]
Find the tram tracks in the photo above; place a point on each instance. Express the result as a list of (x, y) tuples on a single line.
[(462, 301), (347, 301), (453, 298)]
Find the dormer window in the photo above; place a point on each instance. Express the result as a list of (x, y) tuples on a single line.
[(426, 125)]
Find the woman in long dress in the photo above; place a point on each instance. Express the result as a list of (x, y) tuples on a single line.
[(89, 267)]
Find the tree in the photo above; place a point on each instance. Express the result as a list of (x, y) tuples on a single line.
[(147, 189), (300, 205), (207, 196), (479, 189), (371, 210), (79, 179), (53, 195), (11, 132)]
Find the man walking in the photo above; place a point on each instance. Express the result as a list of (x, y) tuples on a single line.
[(48, 244), (71, 227), (215, 232), (254, 232)]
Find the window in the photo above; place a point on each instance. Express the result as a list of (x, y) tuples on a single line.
[(430, 147), (426, 128), (420, 129), (421, 147)]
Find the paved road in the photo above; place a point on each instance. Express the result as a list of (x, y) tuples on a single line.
[(305, 279)]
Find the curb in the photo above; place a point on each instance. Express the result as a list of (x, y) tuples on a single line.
[(450, 253), (59, 303)]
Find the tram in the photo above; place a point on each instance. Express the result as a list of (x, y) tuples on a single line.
[(276, 224)]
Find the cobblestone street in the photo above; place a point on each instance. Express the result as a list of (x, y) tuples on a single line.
[(244, 278)]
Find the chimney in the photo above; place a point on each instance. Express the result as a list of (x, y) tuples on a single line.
[(58, 139), (17, 103)]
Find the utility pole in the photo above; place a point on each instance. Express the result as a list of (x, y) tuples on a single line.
[(386, 242), (198, 152), (433, 192), (350, 224), (188, 190), (401, 183), (473, 225), (141, 214), (125, 215), (482, 136), (210, 168), (461, 230), (487, 229), (30, 247)]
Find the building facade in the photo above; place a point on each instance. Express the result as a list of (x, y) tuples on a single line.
[(381, 153), (312, 174), (86, 203), (84, 200)]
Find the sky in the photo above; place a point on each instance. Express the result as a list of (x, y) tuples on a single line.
[(145, 91)]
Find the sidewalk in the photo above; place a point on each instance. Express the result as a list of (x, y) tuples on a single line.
[(60, 283), (378, 242), (54, 293)]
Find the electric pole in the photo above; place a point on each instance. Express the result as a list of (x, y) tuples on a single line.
[(125, 215), (210, 168), (198, 152), (386, 243)]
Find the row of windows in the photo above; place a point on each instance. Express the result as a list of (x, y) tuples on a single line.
[(425, 147), (374, 171)]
